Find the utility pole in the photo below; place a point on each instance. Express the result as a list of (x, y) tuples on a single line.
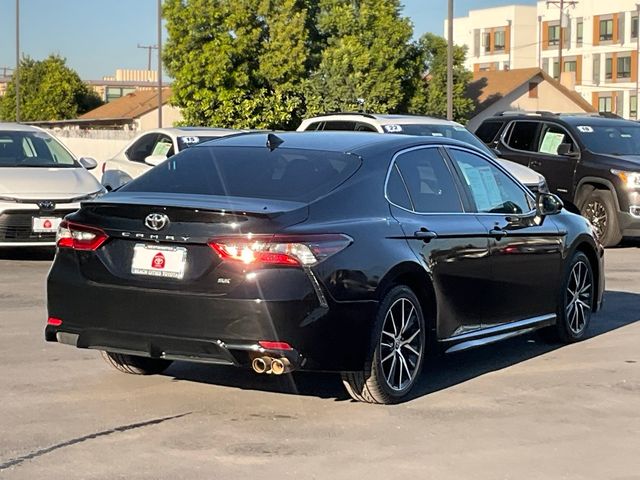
[(637, 67), (159, 63), (561, 4), (450, 63), (6, 70), (509, 23), (16, 72), (148, 48)]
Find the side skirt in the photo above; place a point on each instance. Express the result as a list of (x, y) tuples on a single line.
[(497, 333)]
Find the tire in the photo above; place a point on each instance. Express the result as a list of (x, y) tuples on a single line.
[(398, 348), (574, 312), (136, 365), (599, 208)]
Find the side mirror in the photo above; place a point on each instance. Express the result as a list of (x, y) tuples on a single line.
[(564, 149), (88, 163), (154, 160), (548, 204)]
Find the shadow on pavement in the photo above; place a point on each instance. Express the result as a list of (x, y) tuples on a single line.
[(620, 309), (28, 253)]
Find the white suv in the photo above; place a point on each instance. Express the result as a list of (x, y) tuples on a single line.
[(151, 148), (40, 182), (422, 126)]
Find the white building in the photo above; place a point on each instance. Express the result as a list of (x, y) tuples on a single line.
[(599, 46), (498, 38)]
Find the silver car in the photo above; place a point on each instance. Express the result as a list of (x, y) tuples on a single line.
[(40, 182)]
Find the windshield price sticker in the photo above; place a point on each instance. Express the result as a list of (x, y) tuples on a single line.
[(585, 129), (393, 128)]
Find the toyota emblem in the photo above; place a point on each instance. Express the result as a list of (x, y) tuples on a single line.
[(46, 205), (156, 221)]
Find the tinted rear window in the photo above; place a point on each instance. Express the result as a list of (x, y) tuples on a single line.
[(488, 131), (254, 172)]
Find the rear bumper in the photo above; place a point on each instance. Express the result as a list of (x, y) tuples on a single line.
[(225, 329)]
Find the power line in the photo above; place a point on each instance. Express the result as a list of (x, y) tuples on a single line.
[(149, 49)]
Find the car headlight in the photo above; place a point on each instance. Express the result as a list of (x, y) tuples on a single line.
[(630, 179), (8, 199)]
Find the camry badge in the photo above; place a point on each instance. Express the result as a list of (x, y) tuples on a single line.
[(156, 221)]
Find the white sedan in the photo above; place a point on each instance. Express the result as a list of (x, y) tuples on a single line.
[(40, 182), (153, 147)]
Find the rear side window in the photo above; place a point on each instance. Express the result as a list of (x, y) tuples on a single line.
[(254, 172), (396, 190), (488, 131), (522, 136), (337, 125), (429, 181)]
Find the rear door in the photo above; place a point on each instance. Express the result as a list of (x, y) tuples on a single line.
[(451, 244), (525, 252)]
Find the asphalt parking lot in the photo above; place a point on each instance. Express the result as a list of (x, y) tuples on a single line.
[(522, 409)]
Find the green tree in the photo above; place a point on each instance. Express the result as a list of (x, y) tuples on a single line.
[(49, 90), (238, 63), (430, 87), (368, 57)]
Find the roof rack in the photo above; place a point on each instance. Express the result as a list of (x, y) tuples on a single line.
[(537, 113), (363, 114)]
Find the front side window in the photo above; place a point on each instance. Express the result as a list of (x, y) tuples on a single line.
[(33, 149), (492, 191), (606, 30), (254, 172), (551, 137), (142, 148), (429, 181), (523, 136), (488, 131)]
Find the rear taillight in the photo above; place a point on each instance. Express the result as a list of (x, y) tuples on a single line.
[(79, 237), (55, 322), (282, 250)]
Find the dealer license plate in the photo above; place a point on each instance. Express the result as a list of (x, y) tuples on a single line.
[(159, 261), (45, 224)]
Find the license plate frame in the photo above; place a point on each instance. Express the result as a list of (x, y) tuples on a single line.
[(159, 261), (39, 224)]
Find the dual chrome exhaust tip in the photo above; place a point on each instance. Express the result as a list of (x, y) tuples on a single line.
[(270, 365)]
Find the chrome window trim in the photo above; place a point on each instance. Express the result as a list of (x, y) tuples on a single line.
[(453, 175), (507, 130)]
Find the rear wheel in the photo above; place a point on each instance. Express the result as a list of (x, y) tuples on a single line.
[(599, 208), (399, 344), (574, 312), (136, 365)]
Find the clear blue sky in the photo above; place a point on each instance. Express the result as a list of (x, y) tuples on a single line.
[(98, 36)]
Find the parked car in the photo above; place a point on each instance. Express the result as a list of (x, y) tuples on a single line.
[(349, 252), (592, 162), (151, 148), (40, 182), (417, 125)]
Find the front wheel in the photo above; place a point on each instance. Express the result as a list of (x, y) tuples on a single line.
[(136, 365), (399, 347)]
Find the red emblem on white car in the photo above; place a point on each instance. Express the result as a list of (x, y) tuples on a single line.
[(158, 261), (47, 224)]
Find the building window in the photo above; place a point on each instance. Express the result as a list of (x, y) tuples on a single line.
[(570, 66), (624, 67), (498, 40), (554, 34), (604, 104), (608, 68), (579, 34), (606, 30), (486, 37), (596, 68), (533, 90), (633, 107), (634, 27)]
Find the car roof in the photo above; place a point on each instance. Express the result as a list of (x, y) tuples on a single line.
[(18, 127), (343, 142), (382, 119), (573, 119)]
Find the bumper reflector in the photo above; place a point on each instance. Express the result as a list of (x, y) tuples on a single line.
[(56, 322), (274, 345)]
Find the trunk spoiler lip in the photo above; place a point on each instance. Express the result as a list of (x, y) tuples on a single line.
[(210, 203)]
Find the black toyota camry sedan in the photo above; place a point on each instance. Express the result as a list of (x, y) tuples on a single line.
[(348, 252)]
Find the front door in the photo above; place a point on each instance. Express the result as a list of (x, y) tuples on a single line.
[(525, 250), (452, 245)]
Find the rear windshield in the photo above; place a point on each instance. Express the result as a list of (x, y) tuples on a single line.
[(254, 172), (612, 140), (456, 132), (33, 149)]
